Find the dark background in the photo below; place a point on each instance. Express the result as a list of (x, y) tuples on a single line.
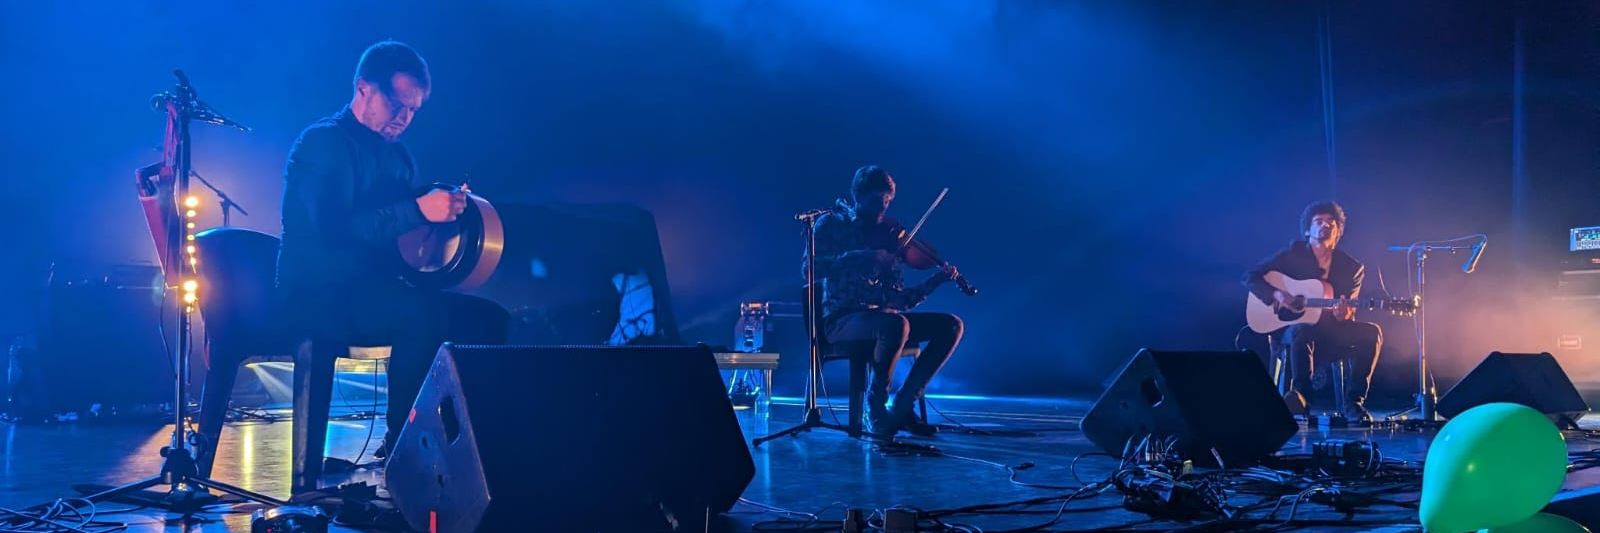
[(1113, 166)]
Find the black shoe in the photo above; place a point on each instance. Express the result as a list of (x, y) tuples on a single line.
[(383, 449), (918, 428), (904, 418), (885, 425), (1357, 414)]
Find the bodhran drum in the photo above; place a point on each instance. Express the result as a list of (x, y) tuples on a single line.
[(455, 256)]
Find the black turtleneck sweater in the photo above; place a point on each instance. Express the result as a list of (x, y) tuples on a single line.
[(348, 194)]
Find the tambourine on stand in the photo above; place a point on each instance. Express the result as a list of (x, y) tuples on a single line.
[(457, 256)]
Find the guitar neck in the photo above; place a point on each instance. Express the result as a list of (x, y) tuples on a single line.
[(1334, 302), (1325, 302)]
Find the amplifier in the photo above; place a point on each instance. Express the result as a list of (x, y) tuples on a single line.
[(101, 341), (1579, 284)]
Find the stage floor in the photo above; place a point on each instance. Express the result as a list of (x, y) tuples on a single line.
[(819, 473)]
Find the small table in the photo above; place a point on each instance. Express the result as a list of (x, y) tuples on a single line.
[(747, 366)]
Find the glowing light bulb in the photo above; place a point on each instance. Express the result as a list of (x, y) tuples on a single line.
[(190, 249), (188, 298), (189, 213), (190, 285), (191, 202)]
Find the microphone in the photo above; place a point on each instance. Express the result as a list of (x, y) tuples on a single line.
[(190, 105), (839, 205), (204, 113), (1472, 259), (197, 110)]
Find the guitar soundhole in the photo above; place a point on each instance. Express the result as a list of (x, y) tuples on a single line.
[(1151, 393)]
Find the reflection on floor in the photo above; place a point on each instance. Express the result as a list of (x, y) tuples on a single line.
[(981, 452)]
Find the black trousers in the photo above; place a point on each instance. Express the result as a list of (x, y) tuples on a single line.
[(412, 322), (1356, 343), (884, 334)]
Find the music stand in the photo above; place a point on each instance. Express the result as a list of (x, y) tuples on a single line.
[(186, 492)]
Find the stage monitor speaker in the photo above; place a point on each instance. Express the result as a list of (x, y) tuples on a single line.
[(1535, 380), (1222, 401), (599, 438), (600, 279)]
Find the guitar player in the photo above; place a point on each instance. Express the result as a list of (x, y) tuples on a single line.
[(1336, 335)]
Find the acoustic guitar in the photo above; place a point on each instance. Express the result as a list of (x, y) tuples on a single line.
[(1311, 297)]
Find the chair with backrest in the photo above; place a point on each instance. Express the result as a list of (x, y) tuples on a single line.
[(239, 303), (859, 354)]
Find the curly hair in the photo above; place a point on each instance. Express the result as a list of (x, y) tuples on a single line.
[(1329, 208)]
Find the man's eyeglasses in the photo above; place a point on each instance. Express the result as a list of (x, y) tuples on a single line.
[(395, 105)]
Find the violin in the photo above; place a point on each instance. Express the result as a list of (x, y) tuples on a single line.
[(920, 255), (916, 253)]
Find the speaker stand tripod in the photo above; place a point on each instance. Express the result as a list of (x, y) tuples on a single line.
[(186, 491)]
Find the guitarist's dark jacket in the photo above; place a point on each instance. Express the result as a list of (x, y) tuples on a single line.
[(1297, 261)]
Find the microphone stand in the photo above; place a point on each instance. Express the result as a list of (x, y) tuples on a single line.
[(225, 202), (186, 491), (813, 413), (1427, 395)]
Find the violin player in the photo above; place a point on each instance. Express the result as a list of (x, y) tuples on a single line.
[(864, 298)]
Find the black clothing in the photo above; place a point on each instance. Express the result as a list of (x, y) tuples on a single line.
[(864, 311), (1357, 343), (884, 334), (348, 196), (412, 322), (1297, 261), (851, 281)]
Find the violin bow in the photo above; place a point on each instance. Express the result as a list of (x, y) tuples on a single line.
[(912, 235)]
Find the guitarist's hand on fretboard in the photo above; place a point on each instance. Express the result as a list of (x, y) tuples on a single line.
[(1344, 311)]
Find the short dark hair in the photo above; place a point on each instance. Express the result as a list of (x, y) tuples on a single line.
[(870, 178), (384, 59), (1327, 207)]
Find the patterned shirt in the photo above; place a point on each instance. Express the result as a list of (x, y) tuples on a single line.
[(851, 281)]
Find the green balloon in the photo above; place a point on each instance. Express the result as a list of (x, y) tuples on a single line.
[(1541, 523), (1493, 465)]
